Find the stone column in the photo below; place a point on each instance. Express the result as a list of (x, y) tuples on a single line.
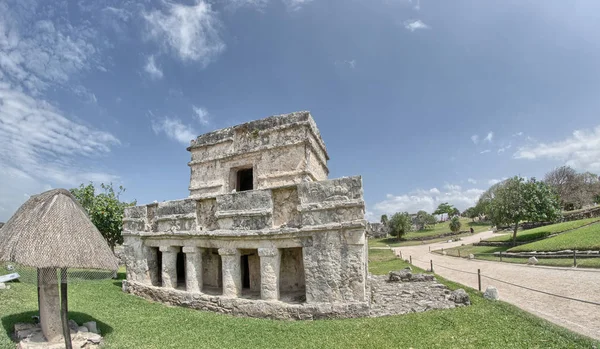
[(193, 268), (49, 303), (270, 261), (232, 275), (169, 266)]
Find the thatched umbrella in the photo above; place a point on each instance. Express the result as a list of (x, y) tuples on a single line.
[(52, 231)]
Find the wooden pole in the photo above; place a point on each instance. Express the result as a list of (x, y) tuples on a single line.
[(500, 256), (431, 264), (410, 259), (574, 258), (39, 280), (64, 309), (479, 278)]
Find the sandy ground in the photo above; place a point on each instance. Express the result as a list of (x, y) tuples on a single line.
[(571, 282)]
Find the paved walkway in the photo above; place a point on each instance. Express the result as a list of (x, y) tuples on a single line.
[(576, 283)]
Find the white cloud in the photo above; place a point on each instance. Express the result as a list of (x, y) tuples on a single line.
[(494, 181), (417, 4), (489, 137), (201, 114), (580, 151), (190, 32), (427, 200), (472, 181), (152, 69), (39, 146), (37, 54), (452, 187), (505, 148), (485, 151), (257, 4), (415, 24), (174, 129), (295, 5), (518, 134), (475, 139)]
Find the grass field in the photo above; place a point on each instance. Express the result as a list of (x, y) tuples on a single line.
[(131, 322), (585, 238), (433, 233), (486, 253), (542, 232)]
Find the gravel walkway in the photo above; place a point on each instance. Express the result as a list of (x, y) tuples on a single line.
[(576, 283)]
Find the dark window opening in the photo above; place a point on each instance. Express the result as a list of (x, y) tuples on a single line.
[(180, 267), (158, 267), (245, 272), (245, 180)]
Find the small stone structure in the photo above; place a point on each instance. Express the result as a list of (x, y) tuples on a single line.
[(30, 336), (376, 230), (262, 224), (263, 233)]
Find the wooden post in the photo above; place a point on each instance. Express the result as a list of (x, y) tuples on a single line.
[(459, 252), (64, 310), (479, 278), (500, 256), (39, 280), (410, 259), (431, 264), (574, 258)]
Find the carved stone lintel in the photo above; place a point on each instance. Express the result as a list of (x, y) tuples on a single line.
[(268, 252)]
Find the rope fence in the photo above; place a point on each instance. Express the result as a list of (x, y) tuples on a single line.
[(480, 275)]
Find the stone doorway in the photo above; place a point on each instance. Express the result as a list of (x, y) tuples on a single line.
[(250, 273), (212, 278), (292, 286), (180, 268), (155, 268)]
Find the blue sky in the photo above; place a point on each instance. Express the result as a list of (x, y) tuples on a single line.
[(429, 101)]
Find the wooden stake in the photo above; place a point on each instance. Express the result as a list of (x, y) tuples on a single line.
[(64, 309), (479, 278)]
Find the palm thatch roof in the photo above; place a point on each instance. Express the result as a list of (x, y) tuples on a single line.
[(53, 230)]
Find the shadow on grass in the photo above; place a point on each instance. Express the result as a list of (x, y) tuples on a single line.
[(9, 321)]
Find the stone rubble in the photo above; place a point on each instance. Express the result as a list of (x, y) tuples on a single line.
[(532, 261), (491, 293), (30, 336)]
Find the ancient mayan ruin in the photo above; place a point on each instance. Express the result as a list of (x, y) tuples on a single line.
[(264, 233), (262, 223)]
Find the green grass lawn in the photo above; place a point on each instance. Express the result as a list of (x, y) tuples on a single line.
[(486, 253), (542, 232), (585, 238), (433, 233), (131, 322)]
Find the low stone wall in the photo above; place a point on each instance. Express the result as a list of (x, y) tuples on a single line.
[(431, 237), (402, 295), (589, 213), (248, 307)]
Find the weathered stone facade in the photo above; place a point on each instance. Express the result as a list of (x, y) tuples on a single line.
[(264, 233), (262, 224)]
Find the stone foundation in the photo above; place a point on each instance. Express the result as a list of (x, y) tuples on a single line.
[(386, 298)]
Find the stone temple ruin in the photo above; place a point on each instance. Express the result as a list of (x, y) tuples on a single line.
[(263, 233)]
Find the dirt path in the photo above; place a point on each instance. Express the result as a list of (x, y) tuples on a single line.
[(576, 283)]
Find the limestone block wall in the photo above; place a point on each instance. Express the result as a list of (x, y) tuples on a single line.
[(307, 238), (281, 150)]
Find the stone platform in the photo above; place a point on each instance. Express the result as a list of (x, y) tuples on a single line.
[(419, 293), (30, 336)]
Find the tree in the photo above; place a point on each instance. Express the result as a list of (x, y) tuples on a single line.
[(444, 208), (104, 209), (574, 189), (424, 219), (471, 212), (455, 224), (455, 212), (384, 220), (400, 224), (517, 200)]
